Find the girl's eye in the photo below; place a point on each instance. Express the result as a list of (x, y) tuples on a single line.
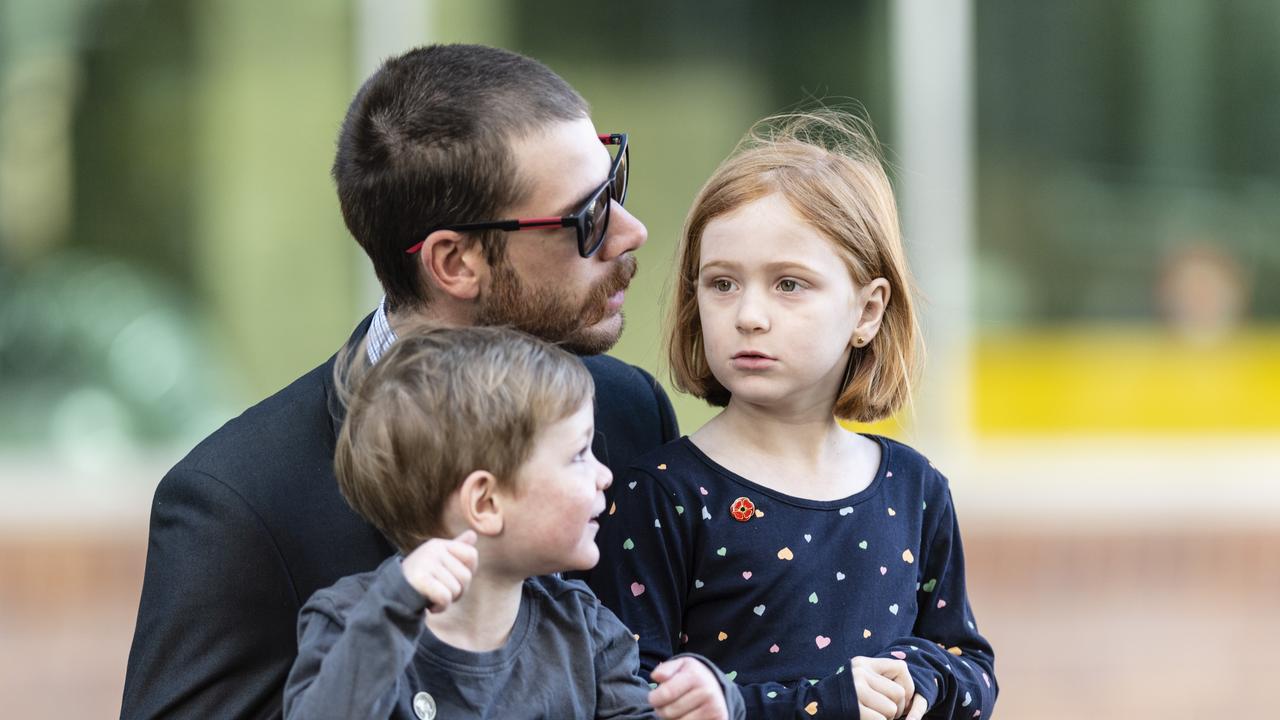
[(788, 285), (722, 285)]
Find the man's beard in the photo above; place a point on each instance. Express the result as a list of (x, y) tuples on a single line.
[(550, 313)]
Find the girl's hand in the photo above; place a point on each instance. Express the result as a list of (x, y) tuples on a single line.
[(883, 686), (441, 569), (687, 690)]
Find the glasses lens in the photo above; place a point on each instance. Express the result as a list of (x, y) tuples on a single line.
[(597, 222), (620, 178)]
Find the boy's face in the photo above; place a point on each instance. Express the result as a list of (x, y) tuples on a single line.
[(550, 521)]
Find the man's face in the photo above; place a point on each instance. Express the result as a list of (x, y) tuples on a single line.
[(542, 285)]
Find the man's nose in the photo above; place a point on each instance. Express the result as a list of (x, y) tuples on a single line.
[(624, 234)]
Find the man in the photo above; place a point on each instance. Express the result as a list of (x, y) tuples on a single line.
[(477, 185)]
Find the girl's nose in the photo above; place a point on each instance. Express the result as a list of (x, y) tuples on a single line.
[(751, 314)]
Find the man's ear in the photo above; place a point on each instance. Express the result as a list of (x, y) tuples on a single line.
[(872, 300), (454, 264), (480, 504)]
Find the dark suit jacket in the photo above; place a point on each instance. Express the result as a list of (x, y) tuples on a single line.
[(250, 523)]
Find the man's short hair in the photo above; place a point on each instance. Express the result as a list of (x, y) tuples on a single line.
[(440, 404), (427, 142)]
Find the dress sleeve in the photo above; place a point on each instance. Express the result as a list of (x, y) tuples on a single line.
[(831, 697), (952, 665), (350, 663), (191, 654)]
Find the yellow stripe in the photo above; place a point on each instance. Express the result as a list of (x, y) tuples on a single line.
[(1126, 380)]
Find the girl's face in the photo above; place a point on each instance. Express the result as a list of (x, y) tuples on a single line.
[(778, 308)]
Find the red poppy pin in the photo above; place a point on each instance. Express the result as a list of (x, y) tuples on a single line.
[(742, 509)]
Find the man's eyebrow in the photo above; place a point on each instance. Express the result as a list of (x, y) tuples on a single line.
[(576, 204)]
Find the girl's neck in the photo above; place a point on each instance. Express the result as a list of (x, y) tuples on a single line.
[(804, 435), (806, 454), (481, 620)]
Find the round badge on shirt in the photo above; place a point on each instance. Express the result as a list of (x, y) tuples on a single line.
[(424, 706)]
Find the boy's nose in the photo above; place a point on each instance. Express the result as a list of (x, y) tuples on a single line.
[(604, 477)]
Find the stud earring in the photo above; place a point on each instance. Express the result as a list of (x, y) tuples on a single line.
[(859, 341)]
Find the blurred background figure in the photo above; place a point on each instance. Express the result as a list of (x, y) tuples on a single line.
[(1088, 192), (1202, 293)]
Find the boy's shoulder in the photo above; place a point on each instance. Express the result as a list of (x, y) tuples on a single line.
[(564, 606), (568, 608), (560, 591), (348, 590)]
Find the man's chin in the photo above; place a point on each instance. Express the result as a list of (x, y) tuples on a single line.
[(597, 338)]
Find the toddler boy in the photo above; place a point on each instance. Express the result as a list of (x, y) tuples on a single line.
[(470, 449)]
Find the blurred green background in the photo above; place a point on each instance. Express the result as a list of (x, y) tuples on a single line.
[(1089, 193), (171, 248)]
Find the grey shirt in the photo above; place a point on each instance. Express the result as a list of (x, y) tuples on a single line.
[(364, 651)]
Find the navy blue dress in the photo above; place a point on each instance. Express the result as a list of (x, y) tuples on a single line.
[(781, 591)]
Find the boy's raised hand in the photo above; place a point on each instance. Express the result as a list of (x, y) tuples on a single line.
[(441, 569), (687, 690), (885, 690)]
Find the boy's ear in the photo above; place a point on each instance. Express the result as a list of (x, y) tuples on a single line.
[(480, 505), (453, 264), (872, 300)]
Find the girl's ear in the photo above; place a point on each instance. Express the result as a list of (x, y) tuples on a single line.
[(479, 503), (452, 264), (872, 299)]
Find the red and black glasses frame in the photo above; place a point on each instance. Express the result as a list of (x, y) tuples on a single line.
[(590, 221)]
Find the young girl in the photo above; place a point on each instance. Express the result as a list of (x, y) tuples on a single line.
[(820, 568)]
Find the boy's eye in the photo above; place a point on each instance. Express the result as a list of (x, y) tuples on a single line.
[(788, 285), (582, 454)]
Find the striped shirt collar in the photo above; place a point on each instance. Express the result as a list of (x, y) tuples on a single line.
[(380, 334)]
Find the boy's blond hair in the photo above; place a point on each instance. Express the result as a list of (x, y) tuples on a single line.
[(827, 164), (440, 404)]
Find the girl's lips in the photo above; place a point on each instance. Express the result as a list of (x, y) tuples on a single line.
[(752, 361)]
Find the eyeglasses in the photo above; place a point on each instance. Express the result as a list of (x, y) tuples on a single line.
[(590, 221)]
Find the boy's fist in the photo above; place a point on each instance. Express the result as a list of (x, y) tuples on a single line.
[(441, 569), (687, 690)]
